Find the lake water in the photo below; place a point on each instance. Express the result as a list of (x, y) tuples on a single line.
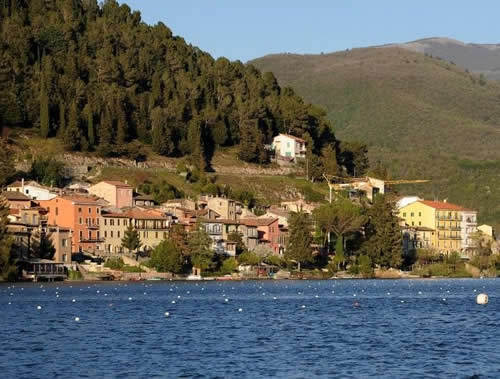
[(290, 329)]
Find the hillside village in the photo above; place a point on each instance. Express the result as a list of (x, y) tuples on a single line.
[(89, 223)]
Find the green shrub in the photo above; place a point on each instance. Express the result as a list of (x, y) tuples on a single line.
[(114, 263), (229, 266), (74, 275)]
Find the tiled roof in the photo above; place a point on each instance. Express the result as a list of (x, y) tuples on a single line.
[(258, 221), (15, 196), (443, 205), (140, 214), (81, 199), (117, 183)]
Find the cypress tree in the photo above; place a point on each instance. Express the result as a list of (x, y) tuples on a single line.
[(299, 243), (44, 110), (62, 118), (196, 144), (105, 134), (90, 125), (72, 134), (8, 270)]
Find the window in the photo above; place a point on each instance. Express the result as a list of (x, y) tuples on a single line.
[(420, 223), (97, 210), (90, 210), (57, 211), (64, 258), (105, 222), (419, 214), (79, 210), (80, 221), (105, 234), (111, 234), (412, 223), (112, 222), (118, 234), (90, 235), (412, 214), (118, 222), (156, 235), (98, 234), (404, 214), (81, 235), (64, 242)]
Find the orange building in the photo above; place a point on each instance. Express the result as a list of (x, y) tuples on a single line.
[(79, 213)]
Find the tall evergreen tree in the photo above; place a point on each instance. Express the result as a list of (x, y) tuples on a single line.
[(384, 240), (106, 134), (8, 270), (62, 119), (199, 243), (72, 135), (90, 124), (132, 241), (7, 169), (43, 248), (44, 110), (300, 238)]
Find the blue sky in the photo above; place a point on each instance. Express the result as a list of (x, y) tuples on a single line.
[(247, 29)]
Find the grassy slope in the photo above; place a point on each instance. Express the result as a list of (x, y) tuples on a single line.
[(420, 116)]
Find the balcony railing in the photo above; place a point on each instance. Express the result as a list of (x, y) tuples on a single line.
[(91, 240)]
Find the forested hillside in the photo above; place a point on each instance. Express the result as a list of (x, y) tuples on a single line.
[(101, 80), (420, 116)]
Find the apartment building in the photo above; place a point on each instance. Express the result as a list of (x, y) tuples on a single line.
[(79, 213), (117, 194)]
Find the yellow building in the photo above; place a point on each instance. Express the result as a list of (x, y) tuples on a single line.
[(443, 220)]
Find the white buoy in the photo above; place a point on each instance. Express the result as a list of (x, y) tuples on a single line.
[(38, 307), (173, 301), (130, 298), (303, 306), (77, 319), (226, 300), (74, 301), (167, 314), (482, 299), (240, 309)]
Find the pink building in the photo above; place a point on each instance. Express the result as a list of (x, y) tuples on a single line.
[(117, 194), (268, 229)]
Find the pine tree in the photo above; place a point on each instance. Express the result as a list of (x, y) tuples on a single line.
[(44, 110), (7, 169), (105, 134), (8, 270), (62, 119), (72, 133), (196, 144), (299, 243), (132, 241), (90, 125), (329, 161), (199, 243), (384, 240)]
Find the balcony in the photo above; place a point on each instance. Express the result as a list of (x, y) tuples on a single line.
[(92, 226), (91, 240)]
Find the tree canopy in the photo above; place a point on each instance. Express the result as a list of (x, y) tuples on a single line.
[(97, 76)]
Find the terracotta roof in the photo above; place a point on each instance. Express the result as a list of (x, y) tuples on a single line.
[(145, 215), (258, 221), (443, 205), (220, 221), (293, 137), (14, 195), (117, 183), (80, 199), (16, 184), (13, 211)]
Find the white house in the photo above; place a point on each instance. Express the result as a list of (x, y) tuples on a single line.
[(32, 189), (406, 200), (289, 146), (468, 227)]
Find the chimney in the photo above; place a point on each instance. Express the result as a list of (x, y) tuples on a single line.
[(126, 181)]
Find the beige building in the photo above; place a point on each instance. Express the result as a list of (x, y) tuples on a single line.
[(152, 226), (227, 208), (117, 194)]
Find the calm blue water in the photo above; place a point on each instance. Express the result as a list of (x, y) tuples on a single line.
[(417, 328)]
